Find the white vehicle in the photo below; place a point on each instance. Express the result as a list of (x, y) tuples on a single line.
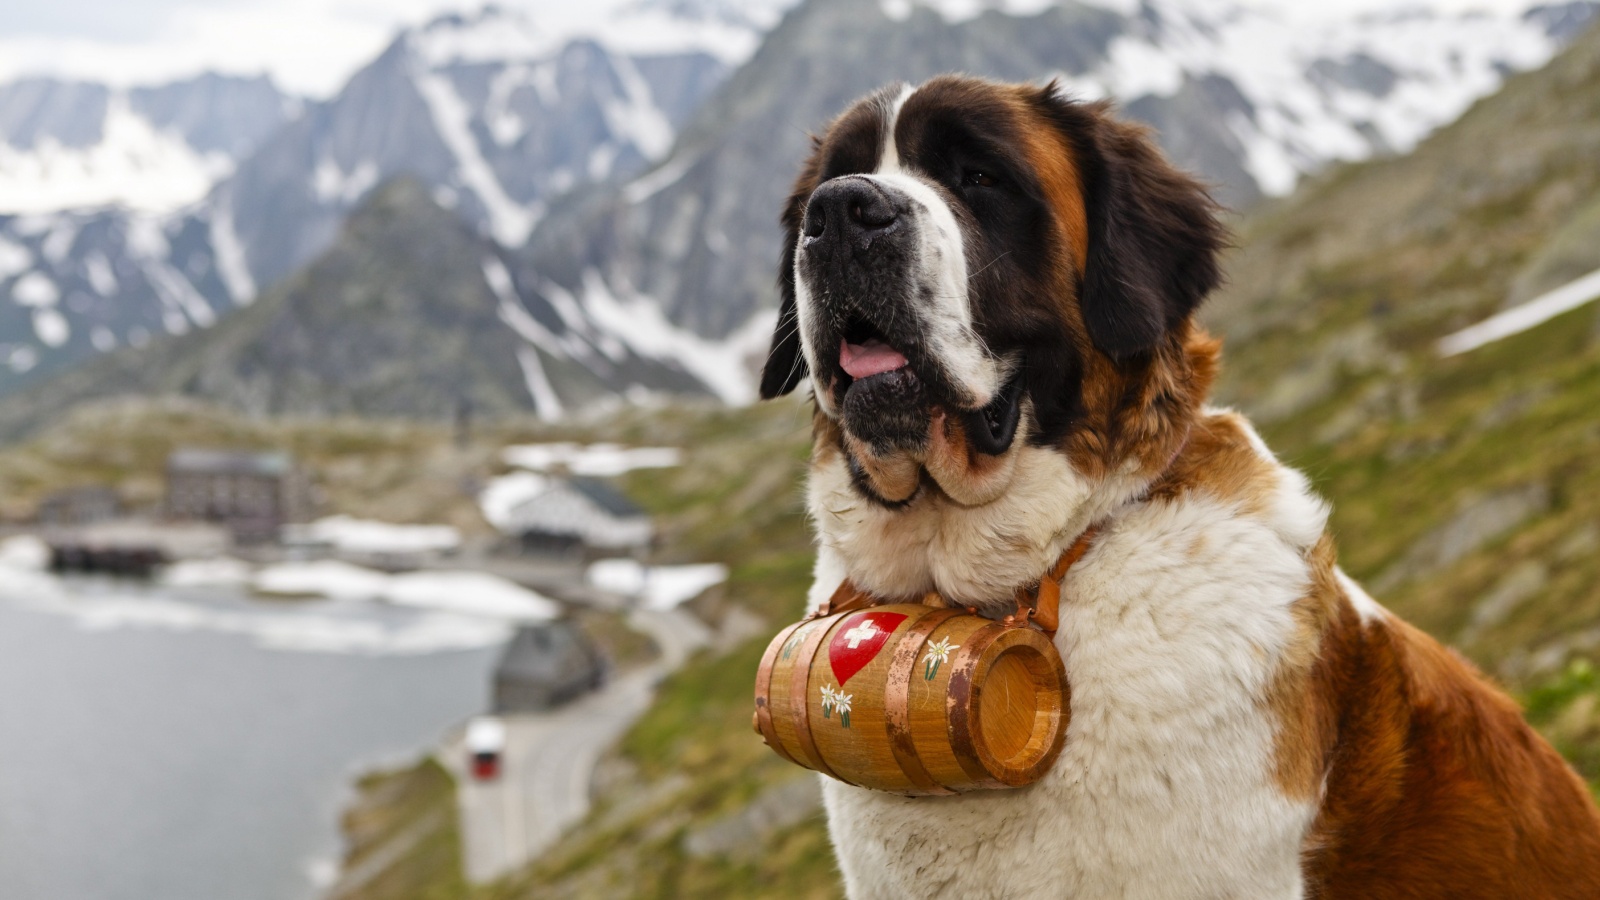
[(486, 741)]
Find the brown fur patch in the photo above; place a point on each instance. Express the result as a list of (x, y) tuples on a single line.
[(1053, 163), (894, 476), (1300, 697), (1219, 459), (966, 476), (1143, 412), (1432, 785)]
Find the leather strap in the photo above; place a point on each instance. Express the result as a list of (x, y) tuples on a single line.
[(1042, 604), (847, 598)]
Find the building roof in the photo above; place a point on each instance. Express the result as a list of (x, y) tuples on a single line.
[(607, 497), (82, 492), (229, 462), (547, 653)]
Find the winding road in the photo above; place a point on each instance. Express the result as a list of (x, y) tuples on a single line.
[(548, 765)]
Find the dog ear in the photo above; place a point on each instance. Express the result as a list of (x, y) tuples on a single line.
[(1154, 236), (786, 365)]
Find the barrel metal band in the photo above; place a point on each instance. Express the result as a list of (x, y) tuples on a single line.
[(769, 660), (800, 702), (961, 711), (897, 700)]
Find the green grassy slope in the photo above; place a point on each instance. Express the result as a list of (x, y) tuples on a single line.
[(1466, 490), (1469, 488)]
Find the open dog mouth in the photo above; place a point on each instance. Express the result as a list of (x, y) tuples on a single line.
[(881, 388), (863, 352)]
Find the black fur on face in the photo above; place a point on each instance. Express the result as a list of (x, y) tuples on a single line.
[(1152, 244), (852, 143)]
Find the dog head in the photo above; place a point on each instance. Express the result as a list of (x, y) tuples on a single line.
[(973, 267)]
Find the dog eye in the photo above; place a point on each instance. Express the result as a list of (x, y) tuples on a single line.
[(977, 177)]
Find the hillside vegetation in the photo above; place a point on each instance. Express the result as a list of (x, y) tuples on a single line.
[(1466, 491)]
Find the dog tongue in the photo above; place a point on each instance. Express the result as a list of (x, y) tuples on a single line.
[(872, 358)]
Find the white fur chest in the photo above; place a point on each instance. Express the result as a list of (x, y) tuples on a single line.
[(1171, 629)]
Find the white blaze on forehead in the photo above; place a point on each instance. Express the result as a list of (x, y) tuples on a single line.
[(889, 161), (941, 266), (946, 312)]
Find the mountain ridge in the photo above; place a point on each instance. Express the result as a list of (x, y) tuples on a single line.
[(646, 186)]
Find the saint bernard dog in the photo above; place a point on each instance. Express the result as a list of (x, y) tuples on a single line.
[(990, 289)]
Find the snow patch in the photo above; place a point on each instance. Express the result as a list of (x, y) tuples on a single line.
[(655, 587), (729, 31), (509, 222), (467, 593), (323, 578), (639, 322), (221, 572), (51, 326), (504, 494), (546, 404), (101, 278), (511, 311), (471, 593), (58, 243), (134, 165), (1406, 73), (24, 553), (1518, 319), (22, 359), (179, 299), (652, 183), (14, 258), (233, 266), (636, 116), (333, 186), (505, 126), (351, 535), (590, 460), (35, 289)]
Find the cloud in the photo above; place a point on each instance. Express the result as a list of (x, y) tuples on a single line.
[(308, 46)]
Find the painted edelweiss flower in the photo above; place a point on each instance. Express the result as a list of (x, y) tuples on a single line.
[(938, 652), (841, 702), (832, 700)]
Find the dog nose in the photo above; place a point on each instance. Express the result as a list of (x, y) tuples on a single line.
[(848, 208)]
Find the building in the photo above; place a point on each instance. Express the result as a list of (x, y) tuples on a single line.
[(79, 506), (253, 494), (546, 665), (580, 517)]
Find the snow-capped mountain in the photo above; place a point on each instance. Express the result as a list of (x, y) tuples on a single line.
[(627, 159), (73, 145), (500, 112), (1251, 99), (1314, 87), (497, 112), (95, 249)]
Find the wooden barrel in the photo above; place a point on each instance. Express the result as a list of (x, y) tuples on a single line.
[(914, 699)]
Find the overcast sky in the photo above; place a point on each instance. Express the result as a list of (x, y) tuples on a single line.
[(308, 46)]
